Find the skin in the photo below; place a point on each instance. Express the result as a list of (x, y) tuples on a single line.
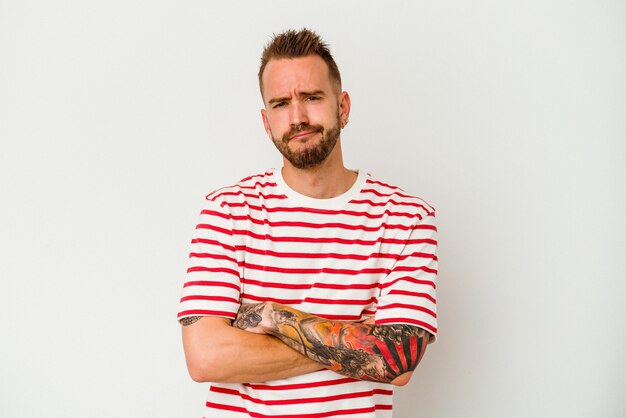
[(361, 350), (299, 92), (269, 341), (218, 352)]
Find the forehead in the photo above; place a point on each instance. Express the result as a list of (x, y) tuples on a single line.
[(287, 75)]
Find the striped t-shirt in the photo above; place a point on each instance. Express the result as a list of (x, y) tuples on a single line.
[(369, 252)]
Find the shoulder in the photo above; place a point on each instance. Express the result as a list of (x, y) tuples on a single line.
[(395, 196), (244, 185), (251, 187)]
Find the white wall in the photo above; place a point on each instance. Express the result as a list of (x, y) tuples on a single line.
[(509, 117)]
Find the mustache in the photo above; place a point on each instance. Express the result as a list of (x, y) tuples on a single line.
[(303, 128)]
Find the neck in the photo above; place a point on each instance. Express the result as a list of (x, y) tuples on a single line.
[(324, 181)]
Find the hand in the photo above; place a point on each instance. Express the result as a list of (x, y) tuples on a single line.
[(253, 317), (369, 321)]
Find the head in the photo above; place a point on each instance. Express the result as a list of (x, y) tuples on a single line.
[(305, 108), (291, 44)]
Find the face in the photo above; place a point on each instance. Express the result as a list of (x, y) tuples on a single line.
[(304, 110)]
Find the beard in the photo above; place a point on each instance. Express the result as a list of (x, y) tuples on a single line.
[(309, 156)]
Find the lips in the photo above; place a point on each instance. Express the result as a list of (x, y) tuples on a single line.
[(302, 134)]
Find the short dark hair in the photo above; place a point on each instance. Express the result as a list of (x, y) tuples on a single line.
[(297, 44)]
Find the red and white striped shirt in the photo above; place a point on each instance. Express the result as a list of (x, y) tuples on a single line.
[(367, 253)]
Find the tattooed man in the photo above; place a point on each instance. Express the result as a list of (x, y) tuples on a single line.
[(311, 288)]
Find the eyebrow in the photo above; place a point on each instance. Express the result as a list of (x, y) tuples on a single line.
[(302, 93)]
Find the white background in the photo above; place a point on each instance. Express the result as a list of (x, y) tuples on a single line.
[(509, 117)]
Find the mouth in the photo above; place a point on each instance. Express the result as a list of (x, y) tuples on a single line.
[(302, 134)]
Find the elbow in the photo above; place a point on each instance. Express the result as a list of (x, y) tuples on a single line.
[(197, 374), (202, 368), (199, 377), (402, 380), (197, 369)]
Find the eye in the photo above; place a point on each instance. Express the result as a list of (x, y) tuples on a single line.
[(279, 104), (313, 98)]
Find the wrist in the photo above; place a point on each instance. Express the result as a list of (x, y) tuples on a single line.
[(268, 324)]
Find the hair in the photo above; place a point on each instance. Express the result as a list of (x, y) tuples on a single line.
[(297, 44)]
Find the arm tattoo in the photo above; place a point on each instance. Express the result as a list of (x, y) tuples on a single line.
[(363, 351), (189, 320), (249, 315)]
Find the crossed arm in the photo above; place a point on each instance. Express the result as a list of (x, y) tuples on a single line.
[(289, 342), (218, 352)]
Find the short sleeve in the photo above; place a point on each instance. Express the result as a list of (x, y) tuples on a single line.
[(407, 294), (212, 284)]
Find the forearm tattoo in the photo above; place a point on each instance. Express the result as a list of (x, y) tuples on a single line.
[(249, 315), (363, 351), (189, 320)]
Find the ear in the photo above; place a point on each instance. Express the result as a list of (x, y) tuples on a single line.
[(344, 108), (266, 124)]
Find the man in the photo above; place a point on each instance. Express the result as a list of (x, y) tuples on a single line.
[(311, 289)]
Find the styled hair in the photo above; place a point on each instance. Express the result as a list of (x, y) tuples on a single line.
[(297, 44)]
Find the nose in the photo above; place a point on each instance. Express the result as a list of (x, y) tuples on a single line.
[(298, 114)]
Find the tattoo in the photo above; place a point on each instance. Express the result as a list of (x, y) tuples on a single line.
[(368, 352), (189, 320), (363, 351), (249, 315)]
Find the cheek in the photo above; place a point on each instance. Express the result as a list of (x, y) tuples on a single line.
[(320, 116), (327, 116), (277, 122)]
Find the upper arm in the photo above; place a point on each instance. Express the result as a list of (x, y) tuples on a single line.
[(424, 335), (212, 284), (408, 293), (401, 347), (202, 338), (211, 290)]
